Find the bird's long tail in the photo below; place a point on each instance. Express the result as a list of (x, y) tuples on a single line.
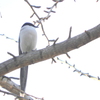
[(23, 77)]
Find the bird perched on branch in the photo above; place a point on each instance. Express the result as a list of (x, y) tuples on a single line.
[(27, 43)]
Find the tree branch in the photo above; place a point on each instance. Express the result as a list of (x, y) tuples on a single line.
[(39, 19), (50, 51), (9, 85), (79, 71)]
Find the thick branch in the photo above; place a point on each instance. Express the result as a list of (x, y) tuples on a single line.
[(50, 51), (14, 88)]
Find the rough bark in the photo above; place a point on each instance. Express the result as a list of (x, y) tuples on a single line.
[(49, 52), (12, 87)]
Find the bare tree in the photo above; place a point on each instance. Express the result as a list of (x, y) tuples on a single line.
[(49, 52)]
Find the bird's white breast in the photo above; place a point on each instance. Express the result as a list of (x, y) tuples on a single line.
[(28, 38)]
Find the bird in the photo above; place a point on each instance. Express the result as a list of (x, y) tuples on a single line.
[(27, 43)]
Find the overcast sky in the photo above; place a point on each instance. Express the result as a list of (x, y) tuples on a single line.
[(55, 81)]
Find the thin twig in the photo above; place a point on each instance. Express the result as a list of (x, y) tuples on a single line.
[(38, 19), (68, 55), (55, 41), (36, 6), (70, 30), (51, 9), (53, 60), (8, 37), (11, 55), (79, 71), (51, 40), (14, 78), (32, 9), (44, 33)]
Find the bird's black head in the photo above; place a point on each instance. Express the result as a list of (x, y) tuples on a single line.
[(30, 24)]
